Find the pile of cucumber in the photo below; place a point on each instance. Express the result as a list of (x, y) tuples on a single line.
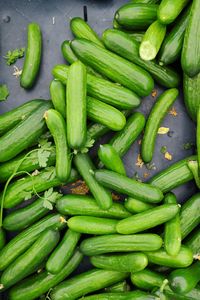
[(146, 247)]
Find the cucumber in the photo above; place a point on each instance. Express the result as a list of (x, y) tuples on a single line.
[(182, 260), (33, 56), (131, 262), (111, 159), (87, 206), (17, 191), (63, 252), (114, 67), (122, 286), (198, 142), (147, 219), (157, 114), (76, 106), (57, 92), (190, 215), (194, 294), (136, 15), (126, 46), (30, 260), (24, 134), (172, 235), (147, 279), (171, 48), (146, 1), (194, 168), (173, 176), (133, 295), (92, 225), (26, 238), (136, 36), (85, 167), (193, 242), (190, 60), (169, 10), (102, 89), (2, 238), (136, 206), (128, 186), (120, 243), (56, 124), (38, 284)]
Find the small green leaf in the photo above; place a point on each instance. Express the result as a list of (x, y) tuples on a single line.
[(49, 174), (47, 204), (163, 149), (44, 143), (89, 143), (27, 195), (43, 156), (50, 198), (12, 56), (4, 92)]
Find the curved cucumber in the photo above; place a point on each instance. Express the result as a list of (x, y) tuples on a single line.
[(147, 279), (58, 96), (32, 57), (2, 238), (169, 10), (193, 242), (133, 295), (136, 206)]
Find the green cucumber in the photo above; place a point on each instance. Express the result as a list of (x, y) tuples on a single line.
[(33, 56), (146, 1), (173, 176), (2, 238), (190, 215), (24, 134), (198, 142), (136, 36), (172, 236), (171, 48), (147, 219), (102, 89), (193, 242), (111, 159), (126, 46), (194, 168), (27, 263), (120, 243), (85, 167), (136, 206), (114, 67), (157, 114), (92, 225), (17, 191), (87, 206), (26, 238), (57, 92), (63, 252), (128, 186), (123, 139), (147, 279), (190, 60), (56, 124), (169, 10), (131, 262), (182, 260), (194, 294), (133, 295), (76, 106), (39, 284), (122, 286), (136, 15)]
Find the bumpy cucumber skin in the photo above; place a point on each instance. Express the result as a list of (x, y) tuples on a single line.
[(122, 286), (133, 295), (136, 206), (58, 95), (193, 242), (169, 10), (147, 279), (2, 238)]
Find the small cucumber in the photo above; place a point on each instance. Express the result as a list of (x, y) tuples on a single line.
[(136, 36), (146, 1), (30, 260), (2, 238), (128, 186), (136, 206), (85, 205), (169, 10), (193, 242), (33, 56), (172, 236), (63, 252), (92, 225), (133, 295), (198, 141), (122, 286), (147, 279), (120, 243), (194, 168), (85, 167), (58, 96)]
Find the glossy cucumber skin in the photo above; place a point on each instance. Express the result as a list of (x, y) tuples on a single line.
[(88, 282), (120, 243), (169, 10), (56, 124), (63, 252), (133, 295), (58, 96), (182, 260), (26, 263), (146, 1), (131, 262), (26, 238), (194, 294), (122, 140), (147, 219), (172, 235), (128, 186), (198, 145), (92, 225), (32, 57), (2, 238), (122, 286), (114, 67), (46, 179), (84, 166), (157, 114), (193, 242), (191, 95), (39, 284), (76, 105), (190, 60), (136, 206), (85, 205), (126, 46), (24, 134), (190, 215), (173, 176), (147, 279)]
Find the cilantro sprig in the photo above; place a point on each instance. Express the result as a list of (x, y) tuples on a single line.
[(4, 92), (12, 55)]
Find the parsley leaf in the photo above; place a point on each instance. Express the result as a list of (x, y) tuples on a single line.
[(49, 174), (12, 56), (43, 157), (4, 92), (50, 198), (28, 195), (44, 143), (88, 144)]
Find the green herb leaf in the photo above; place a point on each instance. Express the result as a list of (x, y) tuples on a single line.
[(12, 56), (43, 156), (88, 144), (44, 143), (50, 198), (49, 174), (47, 204), (4, 92), (163, 149), (27, 195)]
